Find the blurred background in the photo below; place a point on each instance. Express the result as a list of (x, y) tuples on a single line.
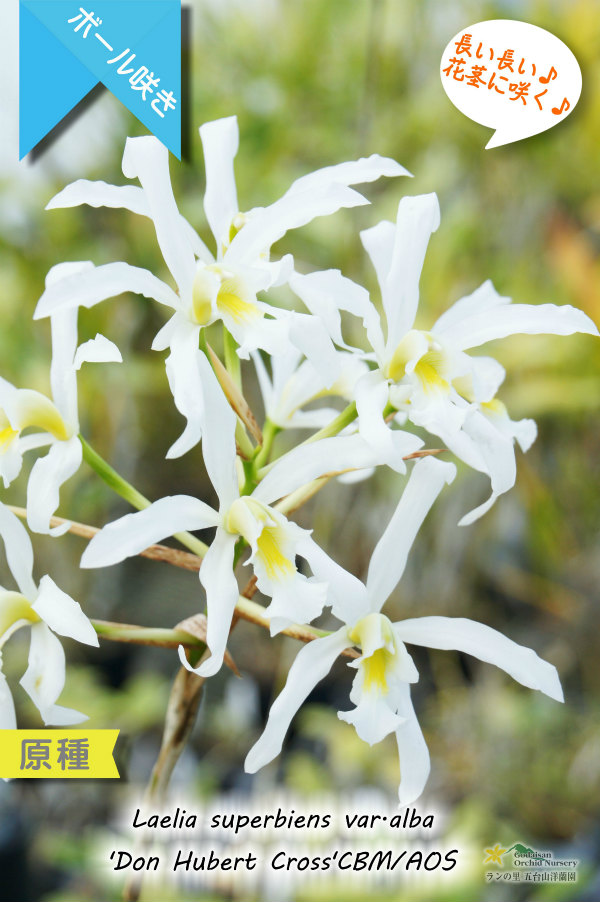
[(312, 84)]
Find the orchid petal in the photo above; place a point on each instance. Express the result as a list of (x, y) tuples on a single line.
[(49, 473), (518, 319), (412, 750), (63, 614), (353, 172), (19, 552), (312, 663), (218, 579), (133, 533), (147, 159), (92, 286), (378, 241), (297, 600), (329, 292), (330, 455), (372, 718), (346, 594), (391, 552), (97, 350), (310, 336), (268, 225), (418, 218), (485, 643), (44, 678), (185, 383), (126, 197), (218, 436), (372, 395), (482, 300), (220, 141)]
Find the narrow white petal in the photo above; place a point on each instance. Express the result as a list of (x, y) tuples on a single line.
[(346, 594), (19, 552), (100, 194), (63, 377), (58, 716), (126, 197), (88, 288), (220, 141), (378, 241), (497, 450), (478, 511), (487, 375), (372, 718), (63, 614), (391, 552), (482, 300), (412, 750), (518, 319), (135, 532), (48, 475), (218, 579), (268, 225), (147, 159), (329, 292), (309, 335), (97, 350), (418, 218), (44, 678), (185, 383), (485, 643), (372, 395), (353, 172), (330, 455), (312, 663), (296, 600), (218, 436)]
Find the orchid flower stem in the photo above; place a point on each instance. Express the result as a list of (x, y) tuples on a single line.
[(270, 431), (347, 416), (140, 635), (130, 494)]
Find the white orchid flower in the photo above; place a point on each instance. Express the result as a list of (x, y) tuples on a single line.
[(427, 375), (55, 421), (274, 541), (384, 671), (47, 610), (222, 286), (294, 383)]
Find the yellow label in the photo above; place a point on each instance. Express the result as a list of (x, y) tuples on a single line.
[(66, 754)]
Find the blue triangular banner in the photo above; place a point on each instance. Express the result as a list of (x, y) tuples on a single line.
[(132, 46)]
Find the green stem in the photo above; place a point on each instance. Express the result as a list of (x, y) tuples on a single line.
[(270, 431), (347, 416), (112, 478), (140, 635), (130, 494)]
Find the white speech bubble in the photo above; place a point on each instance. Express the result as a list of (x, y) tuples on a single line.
[(510, 76)]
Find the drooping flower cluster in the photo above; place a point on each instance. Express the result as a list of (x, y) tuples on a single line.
[(399, 375)]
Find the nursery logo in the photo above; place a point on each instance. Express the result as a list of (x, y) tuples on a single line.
[(511, 76), (528, 865), (133, 47)]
